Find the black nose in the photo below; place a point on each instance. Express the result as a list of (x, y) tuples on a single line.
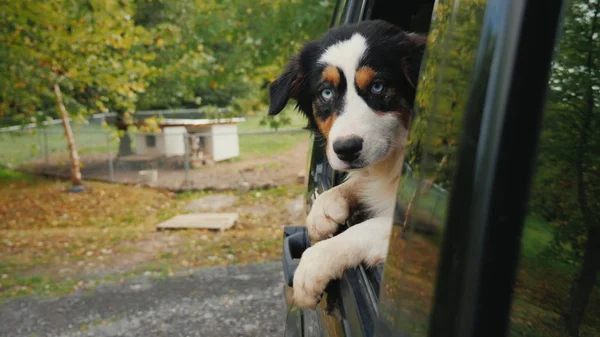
[(347, 149)]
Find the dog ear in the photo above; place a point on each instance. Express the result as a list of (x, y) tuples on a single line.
[(285, 87), (291, 83), (411, 64)]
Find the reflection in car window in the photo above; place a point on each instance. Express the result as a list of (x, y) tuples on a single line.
[(409, 274), (558, 291)]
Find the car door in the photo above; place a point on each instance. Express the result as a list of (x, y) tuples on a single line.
[(457, 243)]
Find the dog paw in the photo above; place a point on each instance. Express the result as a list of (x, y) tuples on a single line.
[(328, 212), (317, 267)]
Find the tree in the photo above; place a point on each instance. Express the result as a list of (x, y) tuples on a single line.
[(448, 64), (85, 56), (227, 50), (567, 187)]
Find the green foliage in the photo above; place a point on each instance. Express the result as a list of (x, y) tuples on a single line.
[(93, 49), (128, 55), (227, 51), (567, 187), (448, 64), (7, 176)]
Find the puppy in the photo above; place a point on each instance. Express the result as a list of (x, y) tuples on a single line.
[(356, 85)]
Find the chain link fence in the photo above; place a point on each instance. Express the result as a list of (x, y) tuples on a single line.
[(186, 154)]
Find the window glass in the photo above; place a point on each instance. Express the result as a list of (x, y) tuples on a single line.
[(558, 286), (447, 69), (339, 10)]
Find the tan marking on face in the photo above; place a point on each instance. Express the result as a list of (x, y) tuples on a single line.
[(364, 77), (331, 74), (325, 125)]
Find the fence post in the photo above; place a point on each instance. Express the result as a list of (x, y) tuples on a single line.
[(46, 151), (111, 169), (40, 143), (186, 160)]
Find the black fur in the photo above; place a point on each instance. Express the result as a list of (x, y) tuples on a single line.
[(393, 53), (325, 108)]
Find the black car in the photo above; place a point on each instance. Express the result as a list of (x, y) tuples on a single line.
[(496, 230)]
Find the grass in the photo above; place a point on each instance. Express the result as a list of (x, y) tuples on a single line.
[(269, 144), (17, 148), (262, 144), (542, 286), (8, 176), (433, 201), (252, 123), (537, 237), (55, 242)]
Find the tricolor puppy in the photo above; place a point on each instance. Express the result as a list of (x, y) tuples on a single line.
[(356, 86)]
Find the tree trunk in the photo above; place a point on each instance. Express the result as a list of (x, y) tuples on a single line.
[(125, 148), (64, 115), (583, 286)]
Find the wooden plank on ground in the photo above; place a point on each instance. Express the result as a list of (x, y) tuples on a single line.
[(217, 221)]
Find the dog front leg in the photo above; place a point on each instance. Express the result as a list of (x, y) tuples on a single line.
[(326, 260), (331, 209)]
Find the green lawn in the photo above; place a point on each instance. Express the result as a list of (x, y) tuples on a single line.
[(17, 148), (434, 202), (252, 123), (270, 143), (544, 278), (543, 286)]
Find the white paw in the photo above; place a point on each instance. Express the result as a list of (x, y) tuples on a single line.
[(329, 210), (318, 265)]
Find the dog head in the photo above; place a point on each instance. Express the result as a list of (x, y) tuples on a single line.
[(356, 85)]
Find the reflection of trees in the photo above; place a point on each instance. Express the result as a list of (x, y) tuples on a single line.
[(567, 188), (450, 57), (444, 85)]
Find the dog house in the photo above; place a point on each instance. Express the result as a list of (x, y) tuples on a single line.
[(208, 140)]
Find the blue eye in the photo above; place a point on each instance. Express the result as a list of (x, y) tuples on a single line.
[(377, 88), (327, 94)]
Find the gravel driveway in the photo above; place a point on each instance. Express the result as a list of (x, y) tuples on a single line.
[(234, 301)]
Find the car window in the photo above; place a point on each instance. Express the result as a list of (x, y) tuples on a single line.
[(557, 291), (445, 79), (338, 12)]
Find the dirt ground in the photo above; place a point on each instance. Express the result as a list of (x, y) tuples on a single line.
[(255, 171), (55, 242)]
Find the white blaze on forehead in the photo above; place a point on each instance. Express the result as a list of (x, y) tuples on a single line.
[(346, 55)]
